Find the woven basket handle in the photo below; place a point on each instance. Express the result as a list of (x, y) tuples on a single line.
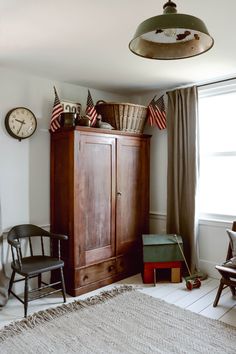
[(100, 101)]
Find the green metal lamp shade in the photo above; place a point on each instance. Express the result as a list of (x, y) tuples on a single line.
[(171, 36)]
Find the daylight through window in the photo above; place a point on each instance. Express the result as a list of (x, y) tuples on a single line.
[(217, 133)]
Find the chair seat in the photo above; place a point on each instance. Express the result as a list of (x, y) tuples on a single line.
[(37, 264)]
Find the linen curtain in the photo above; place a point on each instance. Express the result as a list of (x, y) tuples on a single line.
[(182, 174)]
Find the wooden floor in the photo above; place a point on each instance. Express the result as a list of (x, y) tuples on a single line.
[(198, 300)]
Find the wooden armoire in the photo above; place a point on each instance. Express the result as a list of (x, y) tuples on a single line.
[(100, 199)]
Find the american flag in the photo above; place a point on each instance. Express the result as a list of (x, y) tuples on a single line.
[(91, 110), (157, 114), (56, 112)]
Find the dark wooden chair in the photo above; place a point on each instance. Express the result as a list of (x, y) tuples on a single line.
[(228, 273), (35, 264)]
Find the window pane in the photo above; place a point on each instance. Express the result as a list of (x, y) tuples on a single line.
[(218, 185), (217, 123)]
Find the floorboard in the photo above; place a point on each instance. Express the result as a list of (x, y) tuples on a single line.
[(197, 300)]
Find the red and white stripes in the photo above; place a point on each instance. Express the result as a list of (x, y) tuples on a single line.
[(157, 114), (56, 112)]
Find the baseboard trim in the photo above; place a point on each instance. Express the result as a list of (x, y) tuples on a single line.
[(157, 216), (209, 268)]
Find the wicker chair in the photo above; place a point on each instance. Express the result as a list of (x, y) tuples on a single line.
[(34, 265), (228, 272)]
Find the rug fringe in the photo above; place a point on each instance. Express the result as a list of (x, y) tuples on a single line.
[(52, 313)]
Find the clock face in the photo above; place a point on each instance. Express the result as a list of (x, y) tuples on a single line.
[(20, 123)]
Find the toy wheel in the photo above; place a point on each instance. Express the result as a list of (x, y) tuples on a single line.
[(189, 285), (198, 282)]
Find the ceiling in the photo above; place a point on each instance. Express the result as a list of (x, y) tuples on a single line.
[(85, 42)]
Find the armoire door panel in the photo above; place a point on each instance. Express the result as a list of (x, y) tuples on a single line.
[(96, 197), (132, 193)]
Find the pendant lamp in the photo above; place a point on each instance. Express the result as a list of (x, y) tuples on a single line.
[(171, 36)]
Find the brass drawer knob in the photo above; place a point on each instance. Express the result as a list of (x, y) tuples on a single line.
[(110, 268)]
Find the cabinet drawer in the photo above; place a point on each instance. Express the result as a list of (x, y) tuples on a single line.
[(96, 272)]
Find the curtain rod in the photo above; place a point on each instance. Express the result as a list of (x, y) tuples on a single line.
[(217, 82), (201, 85)]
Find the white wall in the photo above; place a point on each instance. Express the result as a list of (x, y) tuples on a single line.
[(158, 163), (24, 177)]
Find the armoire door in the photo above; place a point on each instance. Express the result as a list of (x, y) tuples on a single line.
[(132, 193), (95, 198)]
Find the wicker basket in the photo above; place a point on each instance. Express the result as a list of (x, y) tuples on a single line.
[(123, 116)]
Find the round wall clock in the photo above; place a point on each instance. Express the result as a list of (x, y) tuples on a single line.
[(20, 123)]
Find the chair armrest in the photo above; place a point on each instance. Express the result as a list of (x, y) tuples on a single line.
[(224, 268), (14, 243), (58, 236)]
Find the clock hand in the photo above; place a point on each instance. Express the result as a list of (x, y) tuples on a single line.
[(23, 122), (20, 121)]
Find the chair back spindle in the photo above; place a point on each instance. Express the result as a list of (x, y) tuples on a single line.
[(20, 252), (13, 255), (31, 248), (19, 256), (59, 249), (42, 245)]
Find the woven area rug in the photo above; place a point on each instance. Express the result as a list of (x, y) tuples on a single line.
[(118, 321)]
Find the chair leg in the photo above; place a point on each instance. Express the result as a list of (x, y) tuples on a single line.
[(218, 294), (26, 295), (11, 282), (63, 285), (232, 288), (39, 280)]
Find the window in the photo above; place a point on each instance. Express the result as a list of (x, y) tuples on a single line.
[(217, 133)]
